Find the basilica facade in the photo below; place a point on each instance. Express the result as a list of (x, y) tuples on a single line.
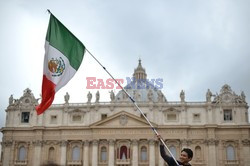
[(115, 133)]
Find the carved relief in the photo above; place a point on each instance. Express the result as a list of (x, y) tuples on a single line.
[(111, 142), (123, 119), (245, 142), (228, 96), (152, 142), (95, 142), (212, 141), (38, 143), (7, 143), (134, 142)]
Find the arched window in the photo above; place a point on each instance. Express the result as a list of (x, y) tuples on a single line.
[(22, 153), (123, 153), (230, 153), (198, 152), (173, 150), (103, 154), (76, 153), (51, 154), (144, 155)]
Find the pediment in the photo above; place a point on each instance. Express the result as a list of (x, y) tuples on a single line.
[(122, 120), (171, 110)]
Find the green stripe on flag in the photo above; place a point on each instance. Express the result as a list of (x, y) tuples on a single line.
[(62, 39)]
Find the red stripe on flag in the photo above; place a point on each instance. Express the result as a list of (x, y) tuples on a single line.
[(48, 93)]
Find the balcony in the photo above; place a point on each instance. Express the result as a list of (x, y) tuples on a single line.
[(122, 161), (231, 162), (103, 163), (20, 162), (74, 163), (143, 163)]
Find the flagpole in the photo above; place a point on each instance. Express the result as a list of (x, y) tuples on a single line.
[(133, 101)]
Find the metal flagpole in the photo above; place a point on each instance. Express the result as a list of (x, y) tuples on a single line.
[(152, 127)]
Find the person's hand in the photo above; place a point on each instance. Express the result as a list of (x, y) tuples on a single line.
[(159, 137)]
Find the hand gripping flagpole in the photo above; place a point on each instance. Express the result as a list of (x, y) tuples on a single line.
[(133, 101)]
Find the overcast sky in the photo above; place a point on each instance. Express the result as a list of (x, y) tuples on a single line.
[(191, 44)]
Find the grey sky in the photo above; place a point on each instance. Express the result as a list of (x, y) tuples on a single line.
[(193, 45)]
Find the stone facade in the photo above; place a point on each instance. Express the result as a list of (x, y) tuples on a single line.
[(115, 133)]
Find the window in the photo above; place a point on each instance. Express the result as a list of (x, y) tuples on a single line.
[(198, 152), (196, 117), (51, 154), (76, 118), (228, 116), (171, 117), (144, 156), (53, 119), (103, 154), (230, 153), (76, 153), (173, 150), (104, 116), (22, 153), (25, 117), (123, 153)]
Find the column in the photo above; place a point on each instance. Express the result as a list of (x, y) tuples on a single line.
[(211, 152), (151, 152), (86, 153), (95, 153), (6, 152), (246, 151), (37, 153), (13, 155), (111, 152), (161, 161), (209, 116), (63, 152), (135, 153)]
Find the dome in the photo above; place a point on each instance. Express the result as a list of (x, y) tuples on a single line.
[(141, 89)]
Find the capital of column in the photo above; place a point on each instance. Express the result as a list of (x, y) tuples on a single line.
[(95, 142), (7, 143), (38, 143), (186, 142), (86, 143), (134, 142), (245, 142), (64, 143), (111, 142), (152, 142), (212, 141)]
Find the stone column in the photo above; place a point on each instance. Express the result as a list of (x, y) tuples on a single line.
[(246, 151), (86, 153), (184, 143), (6, 152), (37, 153), (63, 152), (13, 155), (161, 161), (111, 153), (212, 152), (95, 153), (209, 116), (151, 152), (135, 153)]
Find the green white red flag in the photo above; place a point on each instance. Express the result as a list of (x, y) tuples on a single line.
[(63, 56)]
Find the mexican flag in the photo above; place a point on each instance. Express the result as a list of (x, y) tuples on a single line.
[(63, 56)]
